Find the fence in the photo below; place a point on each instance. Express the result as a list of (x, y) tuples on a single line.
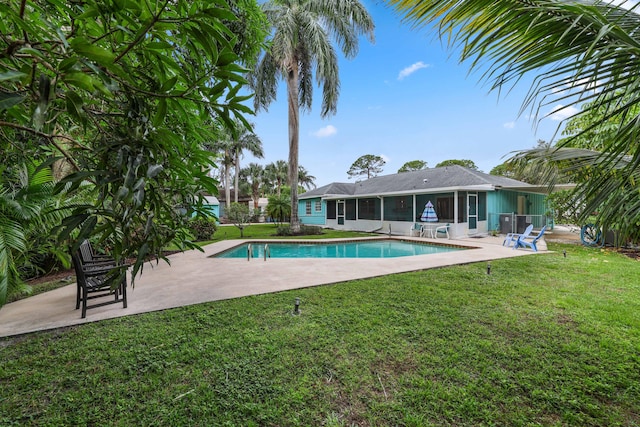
[(511, 222)]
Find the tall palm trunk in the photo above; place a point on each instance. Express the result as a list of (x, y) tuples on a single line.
[(294, 136), (227, 185), (236, 181)]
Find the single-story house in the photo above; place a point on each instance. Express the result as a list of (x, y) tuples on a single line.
[(471, 202)]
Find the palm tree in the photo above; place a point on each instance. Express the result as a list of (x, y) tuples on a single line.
[(300, 44), (585, 53), (224, 146), (305, 179), (24, 191), (253, 174), (276, 175), (279, 208), (249, 141)]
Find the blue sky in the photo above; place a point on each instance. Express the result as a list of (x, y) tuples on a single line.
[(405, 98)]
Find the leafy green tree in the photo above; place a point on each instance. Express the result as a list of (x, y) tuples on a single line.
[(464, 163), (239, 215), (580, 132), (122, 92), (503, 169), (368, 165), (300, 44), (525, 170), (585, 56), (413, 165)]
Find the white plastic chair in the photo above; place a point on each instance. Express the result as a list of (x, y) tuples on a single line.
[(443, 229), (416, 230)]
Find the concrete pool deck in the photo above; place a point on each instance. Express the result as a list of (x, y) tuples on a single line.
[(194, 278)]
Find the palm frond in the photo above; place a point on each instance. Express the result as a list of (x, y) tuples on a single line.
[(583, 54)]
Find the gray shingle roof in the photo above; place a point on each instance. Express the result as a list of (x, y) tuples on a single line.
[(422, 181)]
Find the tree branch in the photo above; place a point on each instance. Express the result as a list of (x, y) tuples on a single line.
[(142, 34), (50, 138)]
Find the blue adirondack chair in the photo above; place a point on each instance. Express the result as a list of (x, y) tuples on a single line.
[(522, 243), (512, 237)]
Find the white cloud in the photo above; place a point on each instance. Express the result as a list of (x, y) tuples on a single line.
[(582, 85), (509, 125), (560, 112), (412, 69), (325, 132)]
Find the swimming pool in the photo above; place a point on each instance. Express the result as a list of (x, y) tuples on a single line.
[(349, 249)]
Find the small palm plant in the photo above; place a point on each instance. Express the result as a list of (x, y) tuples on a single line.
[(279, 207), (23, 193)]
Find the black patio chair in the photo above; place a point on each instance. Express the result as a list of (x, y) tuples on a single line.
[(89, 255), (99, 280)]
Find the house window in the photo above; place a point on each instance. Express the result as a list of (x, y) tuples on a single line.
[(369, 209), (444, 209), (307, 207), (462, 206), (398, 208), (331, 209), (318, 206), (482, 206), (350, 209)]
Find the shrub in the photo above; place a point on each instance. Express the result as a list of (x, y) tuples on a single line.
[(305, 230), (202, 228)]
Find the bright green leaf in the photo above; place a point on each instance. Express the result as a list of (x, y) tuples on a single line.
[(92, 52), (161, 112)]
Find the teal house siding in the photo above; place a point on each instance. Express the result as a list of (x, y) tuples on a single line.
[(506, 201), (312, 211)]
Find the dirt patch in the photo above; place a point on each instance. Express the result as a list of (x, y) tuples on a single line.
[(53, 277), (70, 274), (633, 253), (573, 237)]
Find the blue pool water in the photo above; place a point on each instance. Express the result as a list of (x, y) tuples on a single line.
[(361, 249)]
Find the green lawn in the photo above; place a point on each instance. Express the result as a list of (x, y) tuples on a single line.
[(268, 231), (542, 340)]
